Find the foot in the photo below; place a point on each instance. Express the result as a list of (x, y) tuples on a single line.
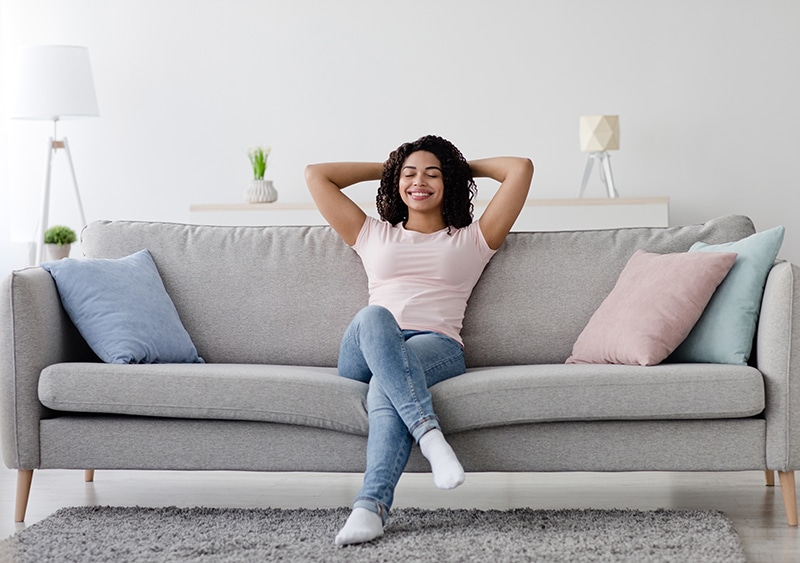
[(447, 470), (362, 526)]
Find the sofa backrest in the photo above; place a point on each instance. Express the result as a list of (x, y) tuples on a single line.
[(284, 295)]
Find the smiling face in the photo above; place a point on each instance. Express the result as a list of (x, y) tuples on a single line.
[(421, 183)]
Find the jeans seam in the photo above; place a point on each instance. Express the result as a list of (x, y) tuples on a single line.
[(409, 379), (447, 360), (398, 466)]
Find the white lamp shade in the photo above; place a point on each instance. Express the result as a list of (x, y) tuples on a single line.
[(55, 81), (599, 133)]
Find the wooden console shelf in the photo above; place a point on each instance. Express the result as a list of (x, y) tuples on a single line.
[(538, 214)]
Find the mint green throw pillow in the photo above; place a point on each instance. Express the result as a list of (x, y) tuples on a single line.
[(724, 333)]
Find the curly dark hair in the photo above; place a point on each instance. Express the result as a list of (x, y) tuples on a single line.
[(459, 186)]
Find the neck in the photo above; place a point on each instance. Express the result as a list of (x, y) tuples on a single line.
[(423, 223)]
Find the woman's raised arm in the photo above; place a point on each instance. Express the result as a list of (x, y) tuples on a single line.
[(327, 180), (514, 175)]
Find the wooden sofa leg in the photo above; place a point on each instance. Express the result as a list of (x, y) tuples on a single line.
[(770, 477), (88, 475), (24, 479), (789, 496)]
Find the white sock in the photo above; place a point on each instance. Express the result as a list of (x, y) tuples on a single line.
[(447, 470), (362, 526)]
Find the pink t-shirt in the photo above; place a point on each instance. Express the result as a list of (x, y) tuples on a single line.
[(424, 279)]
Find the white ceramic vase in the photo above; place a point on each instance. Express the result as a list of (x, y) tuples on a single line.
[(261, 191), (56, 251)]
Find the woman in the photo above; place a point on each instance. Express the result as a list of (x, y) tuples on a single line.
[(422, 261)]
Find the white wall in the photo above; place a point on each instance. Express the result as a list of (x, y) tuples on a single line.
[(706, 92)]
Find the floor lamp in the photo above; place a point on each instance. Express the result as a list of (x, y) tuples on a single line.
[(599, 134), (55, 82)]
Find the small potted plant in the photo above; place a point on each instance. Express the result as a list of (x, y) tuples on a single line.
[(260, 190), (58, 240)]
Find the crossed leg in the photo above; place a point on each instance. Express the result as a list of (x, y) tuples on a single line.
[(399, 366)]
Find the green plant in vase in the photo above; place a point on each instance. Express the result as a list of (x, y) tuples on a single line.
[(260, 190), (58, 239), (258, 159), (60, 235)]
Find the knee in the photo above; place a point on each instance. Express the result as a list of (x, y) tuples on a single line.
[(371, 328), (375, 316)]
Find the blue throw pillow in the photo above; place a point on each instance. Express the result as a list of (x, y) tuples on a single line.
[(724, 334), (122, 310)]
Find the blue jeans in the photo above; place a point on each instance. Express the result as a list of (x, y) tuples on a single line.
[(399, 366)]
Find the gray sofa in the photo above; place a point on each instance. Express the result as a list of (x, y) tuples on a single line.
[(266, 308)]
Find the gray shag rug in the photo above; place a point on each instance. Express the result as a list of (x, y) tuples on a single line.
[(241, 535)]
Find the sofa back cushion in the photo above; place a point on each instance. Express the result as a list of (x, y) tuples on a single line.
[(272, 295), (284, 295)]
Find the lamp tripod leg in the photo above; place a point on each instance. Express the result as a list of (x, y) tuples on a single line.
[(45, 205), (75, 182), (587, 172), (608, 176)]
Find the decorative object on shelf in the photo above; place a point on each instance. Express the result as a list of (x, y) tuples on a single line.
[(58, 240), (568, 214), (55, 82), (260, 190), (599, 134)]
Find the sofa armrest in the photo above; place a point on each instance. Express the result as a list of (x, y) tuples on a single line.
[(35, 332), (778, 359)]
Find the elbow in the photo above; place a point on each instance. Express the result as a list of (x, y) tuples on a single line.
[(527, 166), (311, 173), (526, 169)]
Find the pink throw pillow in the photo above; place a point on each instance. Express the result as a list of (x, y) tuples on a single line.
[(657, 300)]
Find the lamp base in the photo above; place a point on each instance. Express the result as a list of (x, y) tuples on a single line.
[(606, 175)]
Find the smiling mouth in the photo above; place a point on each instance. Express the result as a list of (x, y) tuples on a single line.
[(418, 194)]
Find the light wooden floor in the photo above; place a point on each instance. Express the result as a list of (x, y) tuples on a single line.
[(756, 510)]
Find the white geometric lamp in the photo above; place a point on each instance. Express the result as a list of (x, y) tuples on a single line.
[(54, 82), (599, 134)]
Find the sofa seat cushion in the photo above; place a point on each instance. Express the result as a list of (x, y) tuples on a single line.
[(306, 396), (498, 396), (483, 397)]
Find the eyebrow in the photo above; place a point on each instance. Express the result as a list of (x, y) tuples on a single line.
[(426, 168)]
